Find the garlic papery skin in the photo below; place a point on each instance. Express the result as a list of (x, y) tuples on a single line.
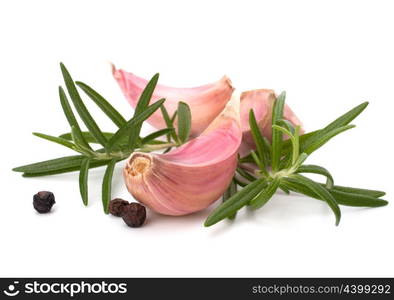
[(262, 102), (193, 176), (205, 102)]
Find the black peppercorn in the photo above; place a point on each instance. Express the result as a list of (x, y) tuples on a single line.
[(134, 214), (116, 206), (43, 201)]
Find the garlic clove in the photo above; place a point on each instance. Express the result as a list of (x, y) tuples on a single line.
[(191, 177), (205, 102), (261, 101)]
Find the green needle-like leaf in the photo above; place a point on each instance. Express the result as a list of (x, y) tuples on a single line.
[(267, 153), (103, 104), (239, 182), (342, 198), (155, 135), (83, 180), (236, 202), (52, 164), (56, 140), (246, 174), (107, 185), (301, 158), (294, 141), (287, 145), (317, 170), (284, 189), (79, 141), (88, 137), (262, 198), (173, 118), (342, 121), (282, 129), (258, 140), (142, 105), (231, 191), (169, 123), (322, 138), (93, 164), (146, 94), (288, 125), (346, 118), (366, 192), (258, 162), (68, 112), (350, 199), (81, 108), (184, 121), (277, 136), (321, 192), (136, 120)]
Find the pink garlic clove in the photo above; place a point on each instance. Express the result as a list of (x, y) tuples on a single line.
[(205, 102), (261, 101), (193, 176)]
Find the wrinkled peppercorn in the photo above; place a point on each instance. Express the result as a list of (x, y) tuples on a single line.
[(43, 201), (116, 206), (134, 214)]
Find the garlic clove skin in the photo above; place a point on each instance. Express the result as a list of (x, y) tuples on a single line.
[(205, 102), (262, 102), (193, 176)]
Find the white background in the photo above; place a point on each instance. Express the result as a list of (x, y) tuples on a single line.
[(328, 55)]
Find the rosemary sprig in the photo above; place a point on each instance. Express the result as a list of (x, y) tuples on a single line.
[(279, 165), (116, 146)]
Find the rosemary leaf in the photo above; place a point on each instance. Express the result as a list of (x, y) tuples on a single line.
[(83, 180), (107, 185), (169, 123), (317, 170), (103, 104), (284, 189), (258, 162), (81, 108), (236, 202), (321, 191), (134, 121), (79, 141), (246, 159), (258, 140), (173, 118), (350, 199), (51, 165), (342, 198), (93, 164), (230, 191), (265, 195), (184, 122), (277, 136), (288, 125), (321, 138), (156, 134), (89, 138), (57, 140), (366, 192), (294, 140), (239, 182), (246, 174), (343, 120), (142, 105), (287, 144), (68, 112)]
